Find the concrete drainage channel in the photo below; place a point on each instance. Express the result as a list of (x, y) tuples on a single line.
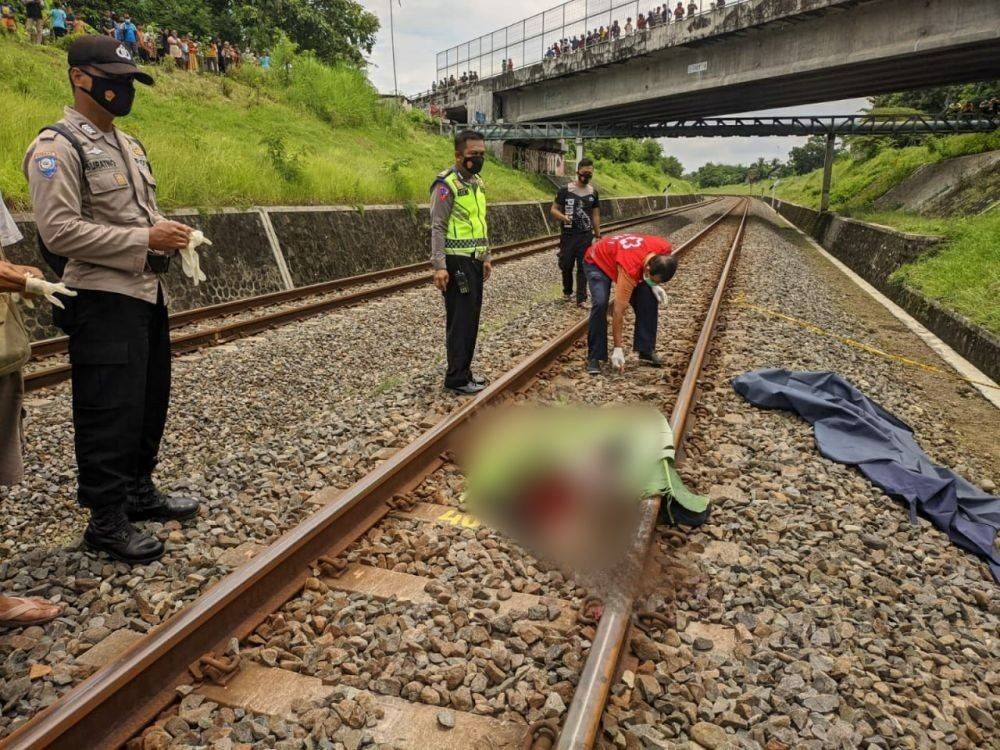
[(197, 646), (285, 310)]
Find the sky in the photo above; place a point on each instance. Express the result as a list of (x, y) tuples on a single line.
[(426, 27)]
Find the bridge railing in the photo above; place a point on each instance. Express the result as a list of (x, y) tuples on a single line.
[(526, 41)]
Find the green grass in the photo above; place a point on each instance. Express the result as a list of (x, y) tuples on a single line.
[(636, 178), (963, 274), (318, 135), (856, 184)]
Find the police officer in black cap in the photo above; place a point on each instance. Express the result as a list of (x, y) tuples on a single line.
[(100, 229)]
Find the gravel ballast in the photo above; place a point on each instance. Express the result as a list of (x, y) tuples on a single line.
[(256, 427), (808, 612)]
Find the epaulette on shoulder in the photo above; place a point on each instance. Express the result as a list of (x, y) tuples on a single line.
[(444, 174)]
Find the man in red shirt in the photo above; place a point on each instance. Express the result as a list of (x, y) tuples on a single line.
[(637, 264)]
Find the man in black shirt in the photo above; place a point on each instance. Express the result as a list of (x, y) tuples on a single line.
[(577, 207)]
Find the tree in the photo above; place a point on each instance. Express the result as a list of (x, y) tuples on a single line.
[(336, 30), (650, 152), (715, 175), (808, 156), (671, 166)]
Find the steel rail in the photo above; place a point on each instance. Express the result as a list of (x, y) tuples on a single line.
[(583, 719), (116, 702), (58, 344), (229, 331)]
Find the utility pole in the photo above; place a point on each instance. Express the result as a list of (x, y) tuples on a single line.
[(392, 37), (824, 201)]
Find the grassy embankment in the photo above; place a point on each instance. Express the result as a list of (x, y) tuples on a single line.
[(636, 178), (964, 274), (314, 135)]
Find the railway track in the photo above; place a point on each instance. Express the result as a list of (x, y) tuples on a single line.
[(365, 287), (119, 700)]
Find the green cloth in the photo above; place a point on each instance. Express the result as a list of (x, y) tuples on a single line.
[(666, 481)]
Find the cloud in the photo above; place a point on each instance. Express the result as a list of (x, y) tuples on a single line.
[(426, 27)]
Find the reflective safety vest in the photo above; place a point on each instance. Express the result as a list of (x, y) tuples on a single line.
[(467, 231)]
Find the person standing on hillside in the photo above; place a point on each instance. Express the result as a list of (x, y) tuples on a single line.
[(460, 255), (7, 18), (130, 36), (101, 230), (57, 17), (637, 264), (578, 208), (33, 20)]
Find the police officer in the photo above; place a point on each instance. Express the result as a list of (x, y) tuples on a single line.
[(460, 255), (99, 227)]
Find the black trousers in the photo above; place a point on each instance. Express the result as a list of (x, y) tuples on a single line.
[(462, 316), (119, 349), (643, 303), (572, 248)]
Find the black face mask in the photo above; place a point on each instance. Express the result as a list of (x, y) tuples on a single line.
[(474, 164), (584, 178), (113, 94)]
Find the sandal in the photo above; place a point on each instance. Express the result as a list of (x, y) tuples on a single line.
[(19, 611)]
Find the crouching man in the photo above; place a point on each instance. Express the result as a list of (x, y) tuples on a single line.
[(636, 264)]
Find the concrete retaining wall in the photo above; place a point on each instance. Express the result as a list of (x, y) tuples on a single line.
[(874, 252), (266, 250)]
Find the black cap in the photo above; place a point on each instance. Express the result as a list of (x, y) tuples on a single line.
[(107, 55)]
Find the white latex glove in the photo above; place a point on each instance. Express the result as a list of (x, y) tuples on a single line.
[(661, 296), (190, 262), (618, 359), (43, 288)]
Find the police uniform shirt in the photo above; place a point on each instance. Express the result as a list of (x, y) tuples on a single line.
[(100, 223), (578, 203)]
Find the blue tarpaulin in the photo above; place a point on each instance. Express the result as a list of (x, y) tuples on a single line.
[(852, 429)]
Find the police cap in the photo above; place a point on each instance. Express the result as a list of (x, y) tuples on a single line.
[(106, 54)]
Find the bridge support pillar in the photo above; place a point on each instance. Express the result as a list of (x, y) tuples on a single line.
[(579, 152), (824, 201)]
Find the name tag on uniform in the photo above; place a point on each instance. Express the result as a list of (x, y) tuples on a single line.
[(463, 191)]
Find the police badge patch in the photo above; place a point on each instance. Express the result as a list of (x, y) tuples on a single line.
[(47, 164)]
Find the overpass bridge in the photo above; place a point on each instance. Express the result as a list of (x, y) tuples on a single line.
[(744, 56), (832, 126)]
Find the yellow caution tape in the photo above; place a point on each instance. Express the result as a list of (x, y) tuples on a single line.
[(813, 328)]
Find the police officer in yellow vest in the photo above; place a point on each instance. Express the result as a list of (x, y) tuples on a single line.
[(460, 255)]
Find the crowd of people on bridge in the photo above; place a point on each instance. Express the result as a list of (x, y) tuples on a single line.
[(467, 78), (984, 107), (644, 22), (659, 16)]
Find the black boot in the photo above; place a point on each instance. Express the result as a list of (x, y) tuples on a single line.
[(109, 531), (650, 359), (146, 503)]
